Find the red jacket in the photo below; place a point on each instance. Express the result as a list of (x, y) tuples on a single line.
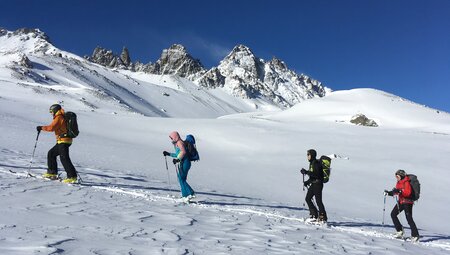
[(404, 197)]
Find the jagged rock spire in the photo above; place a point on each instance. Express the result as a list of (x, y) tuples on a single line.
[(176, 60), (125, 57), (107, 58)]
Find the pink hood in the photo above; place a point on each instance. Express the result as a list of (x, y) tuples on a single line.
[(174, 136), (176, 140)]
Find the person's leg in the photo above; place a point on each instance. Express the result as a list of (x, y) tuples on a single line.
[(395, 211), (65, 160), (52, 164), (318, 187), (183, 171), (308, 199), (409, 218)]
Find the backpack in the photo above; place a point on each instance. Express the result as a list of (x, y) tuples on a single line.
[(415, 186), (72, 124), (326, 166), (191, 148)]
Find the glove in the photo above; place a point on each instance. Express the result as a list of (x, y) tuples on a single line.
[(398, 191), (175, 160), (39, 128), (306, 184), (388, 193), (303, 171), (165, 153)]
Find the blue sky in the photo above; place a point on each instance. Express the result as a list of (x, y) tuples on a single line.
[(399, 46)]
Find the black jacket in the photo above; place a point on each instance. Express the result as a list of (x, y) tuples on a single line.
[(315, 171)]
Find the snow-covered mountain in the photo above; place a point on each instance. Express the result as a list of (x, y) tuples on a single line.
[(30, 61), (241, 83), (240, 74), (247, 180), (244, 75)]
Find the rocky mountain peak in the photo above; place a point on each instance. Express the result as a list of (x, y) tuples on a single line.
[(107, 58), (240, 48), (247, 76), (176, 60), (242, 62), (125, 57), (240, 73), (176, 48), (3, 31), (32, 32), (37, 41), (278, 64), (240, 53)]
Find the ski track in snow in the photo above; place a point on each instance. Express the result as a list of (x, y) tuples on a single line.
[(121, 211)]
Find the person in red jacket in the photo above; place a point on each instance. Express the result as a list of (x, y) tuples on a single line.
[(61, 148), (403, 191)]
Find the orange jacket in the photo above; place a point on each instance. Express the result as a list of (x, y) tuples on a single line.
[(59, 126)]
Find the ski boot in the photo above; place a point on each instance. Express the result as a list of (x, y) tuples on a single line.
[(399, 234), (311, 219), (414, 239), (323, 218), (50, 176), (70, 180)]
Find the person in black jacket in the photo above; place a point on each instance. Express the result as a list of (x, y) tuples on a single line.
[(315, 187)]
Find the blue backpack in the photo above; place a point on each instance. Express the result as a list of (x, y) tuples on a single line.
[(191, 148)]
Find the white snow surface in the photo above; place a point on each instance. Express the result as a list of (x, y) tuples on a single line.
[(247, 182)]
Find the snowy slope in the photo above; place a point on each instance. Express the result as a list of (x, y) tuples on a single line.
[(387, 110), (248, 180), (90, 87)]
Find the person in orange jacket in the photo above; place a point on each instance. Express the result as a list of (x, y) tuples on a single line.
[(61, 148), (404, 192)]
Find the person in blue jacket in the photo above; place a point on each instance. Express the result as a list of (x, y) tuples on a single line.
[(180, 156)]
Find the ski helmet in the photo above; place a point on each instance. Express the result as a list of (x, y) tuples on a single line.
[(401, 173), (55, 108)]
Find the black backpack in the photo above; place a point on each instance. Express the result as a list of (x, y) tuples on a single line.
[(326, 167), (415, 186), (72, 124), (191, 148)]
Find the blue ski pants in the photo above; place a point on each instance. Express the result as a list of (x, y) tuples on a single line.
[(183, 170)]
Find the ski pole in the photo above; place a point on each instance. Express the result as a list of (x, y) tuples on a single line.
[(384, 210), (304, 192), (176, 169), (303, 182), (168, 175), (79, 178), (398, 205), (32, 156), (315, 204), (178, 174)]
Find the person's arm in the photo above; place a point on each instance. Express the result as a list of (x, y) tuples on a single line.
[(52, 127)]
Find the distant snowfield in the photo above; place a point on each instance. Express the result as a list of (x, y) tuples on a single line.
[(247, 180)]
